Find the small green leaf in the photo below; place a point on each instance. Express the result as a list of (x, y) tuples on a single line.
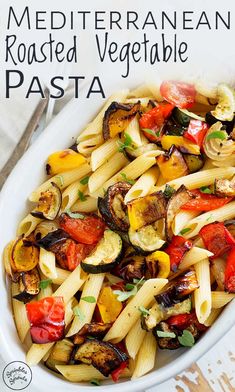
[(61, 180), (205, 189), (143, 310), (129, 286), (75, 215), (209, 218), (125, 178), (151, 132), (84, 181), (89, 299), (184, 231), (168, 191), (186, 339), (126, 144), (162, 334), (81, 196), (216, 135), (95, 382), (124, 295), (79, 313), (45, 283)]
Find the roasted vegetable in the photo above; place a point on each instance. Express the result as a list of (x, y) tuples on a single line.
[(183, 144), (225, 187), (173, 128), (172, 165), (117, 118), (145, 210), (229, 275), (97, 330), (108, 305), (147, 239), (60, 354), (49, 203), (186, 321), (179, 94), (196, 131), (177, 200), (216, 238), (61, 161), (183, 116), (103, 356), (112, 207), (24, 255), (45, 227), (177, 249), (204, 202), (53, 238), (158, 265), (218, 266), (132, 267), (87, 229), (105, 256), (178, 289), (212, 120), (154, 119), (225, 108), (194, 162), (28, 285), (230, 225), (169, 343)]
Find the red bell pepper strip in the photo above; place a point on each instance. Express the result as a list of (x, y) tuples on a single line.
[(88, 229), (229, 275), (217, 239), (205, 202), (196, 131), (46, 318), (176, 250), (154, 119), (179, 94), (183, 321), (117, 372)]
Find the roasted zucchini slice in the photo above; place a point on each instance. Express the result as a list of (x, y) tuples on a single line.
[(105, 256), (103, 356), (194, 162), (112, 206), (24, 255), (117, 117), (28, 285), (183, 116), (147, 239), (49, 203), (225, 108)]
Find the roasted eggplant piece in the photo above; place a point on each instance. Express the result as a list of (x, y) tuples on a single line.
[(60, 354), (179, 198), (49, 203), (178, 289), (132, 267), (53, 238), (194, 162), (225, 188), (166, 343), (117, 117), (112, 207), (44, 228), (105, 256), (103, 356), (210, 119), (146, 210), (97, 330), (28, 285), (24, 255), (172, 164), (147, 239)]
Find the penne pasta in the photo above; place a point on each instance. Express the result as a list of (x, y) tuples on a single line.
[(71, 194), (78, 373), (220, 299), (181, 219), (101, 154), (70, 285), (146, 356), (20, 315), (133, 130), (61, 276), (47, 263), (193, 256), (132, 343), (28, 225), (202, 295), (143, 185), (85, 147), (88, 205), (214, 314)]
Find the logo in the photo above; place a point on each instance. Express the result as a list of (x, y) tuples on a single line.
[(17, 375)]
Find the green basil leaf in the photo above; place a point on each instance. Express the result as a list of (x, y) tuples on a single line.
[(186, 339), (168, 191), (45, 283), (205, 189), (81, 196), (162, 334), (216, 135), (89, 299), (84, 181), (126, 144), (129, 286), (125, 178)]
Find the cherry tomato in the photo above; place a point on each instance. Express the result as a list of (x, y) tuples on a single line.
[(179, 94)]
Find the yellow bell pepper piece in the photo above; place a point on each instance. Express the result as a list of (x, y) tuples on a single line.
[(108, 305), (172, 167), (163, 261), (65, 160), (179, 141)]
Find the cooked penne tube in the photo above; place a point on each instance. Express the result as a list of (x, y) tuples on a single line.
[(88, 205), (70, 285), (181, 219), (146, 356), (91, 288), (134, 339), (87, 146), (202, 295), (71, 194), (61, 275), (220, 214), (214, 314), (101, 154), (106, 171), (20, 314), (47, 263), (220, 299), (82, 372), (133, 130), (131, 313), (62, 180), (193, 256), (28, 225), (143, 185), (44, 291)]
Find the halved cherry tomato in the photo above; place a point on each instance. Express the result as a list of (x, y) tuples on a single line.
[(176, 250), (76, 253), (117, 372), (217, 239), (229, 275), (154, 119), (179, 94), (205, 202), (46, 318), (196, 131), (87, 230), (183, 321)]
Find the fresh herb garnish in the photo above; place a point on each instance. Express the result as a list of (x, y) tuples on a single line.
[(124, 295), (127, 143), (125, 178), (75, 215), (129, 286), (79, 313), (95, 382), (45, 283), (89, 299), (168, 191), (216, 135), (186, 339), (143, 310), (84, 181), (209, 218), (151, 132), (162, 334), (205, 189), (81, 196), (184, 231), (60, 178)]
